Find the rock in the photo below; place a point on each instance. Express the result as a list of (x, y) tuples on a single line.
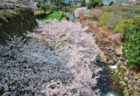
[(93, 75), (53, 86), (1, 88), (84, 94), (74, 91), (94, 88)]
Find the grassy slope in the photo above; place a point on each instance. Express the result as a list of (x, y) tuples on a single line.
[(54, 15)]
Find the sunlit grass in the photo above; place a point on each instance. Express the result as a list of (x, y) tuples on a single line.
[(55, 15)]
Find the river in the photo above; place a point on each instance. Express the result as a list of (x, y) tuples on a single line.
[(70, 15)]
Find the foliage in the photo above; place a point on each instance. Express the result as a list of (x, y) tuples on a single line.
[(94, 3), (130, 30), (59, 4), (125, 27), (16, 24), (111, 3), (83, 3), (44, 7), (132, 49), (103, 19), (19, 11), (54, 15)]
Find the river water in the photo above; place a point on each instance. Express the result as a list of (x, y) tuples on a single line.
[(57, 59), (70, 15)]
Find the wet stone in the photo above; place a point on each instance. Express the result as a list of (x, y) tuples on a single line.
[(83, 94), (93, 75), (74, 91), (94, 88), (53, 86)]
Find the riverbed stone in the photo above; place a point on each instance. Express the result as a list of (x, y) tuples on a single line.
[(84, 94), (74, 91)]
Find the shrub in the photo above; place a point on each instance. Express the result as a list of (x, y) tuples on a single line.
[(131, 49), (125, 27), (136, 23), (130, 30)]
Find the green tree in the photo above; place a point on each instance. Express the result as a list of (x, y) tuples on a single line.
[(83, 3), (111, 3), (59, 3), (44, 7), (94, 3)]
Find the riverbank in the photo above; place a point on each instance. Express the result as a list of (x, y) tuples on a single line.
[(110, 53)]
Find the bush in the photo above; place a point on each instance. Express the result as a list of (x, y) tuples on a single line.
[(131, 49), (130, 30), (94, 3), (136, 23), (125, 27)]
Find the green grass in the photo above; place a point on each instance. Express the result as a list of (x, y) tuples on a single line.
[(55, 15), (108, 10)]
